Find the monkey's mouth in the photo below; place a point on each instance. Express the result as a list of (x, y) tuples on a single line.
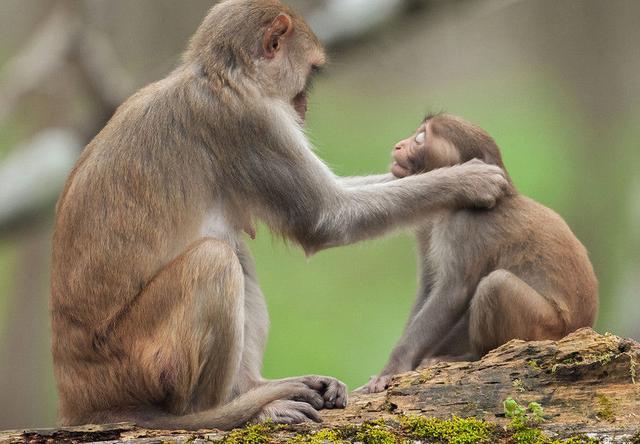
[(399, 170), (301, 104), (400, 166)]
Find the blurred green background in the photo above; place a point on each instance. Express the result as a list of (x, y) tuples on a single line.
[(556, 83)]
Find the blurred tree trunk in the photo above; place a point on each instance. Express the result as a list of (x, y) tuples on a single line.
[(25, 348), (591, 56)]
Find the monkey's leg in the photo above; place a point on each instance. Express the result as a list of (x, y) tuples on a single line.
[(333, 392), (445, 305), (505, 307), (456, 342), (186, 333), (455, 347)]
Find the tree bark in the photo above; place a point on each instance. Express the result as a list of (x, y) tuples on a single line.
[(586, 383)]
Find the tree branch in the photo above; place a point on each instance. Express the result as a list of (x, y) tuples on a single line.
[(586, 384)]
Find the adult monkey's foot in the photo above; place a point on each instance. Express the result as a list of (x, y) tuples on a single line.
[(333, 391)]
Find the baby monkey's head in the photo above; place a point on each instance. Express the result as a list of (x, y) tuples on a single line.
[(443, 140)]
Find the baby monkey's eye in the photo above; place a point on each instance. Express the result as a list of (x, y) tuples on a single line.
[(420, 137)]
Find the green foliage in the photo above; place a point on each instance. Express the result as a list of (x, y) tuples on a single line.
[(325, 436), (452, 431), (411, 428), (254, 434), (532, 414), (524, 422), (512, 409), (375, 432), (537, 412), (528, 435), (533, 365)]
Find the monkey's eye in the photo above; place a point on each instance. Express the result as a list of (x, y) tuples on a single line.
[(420, 137)]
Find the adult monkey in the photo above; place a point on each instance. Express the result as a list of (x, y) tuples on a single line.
[(157, 314)]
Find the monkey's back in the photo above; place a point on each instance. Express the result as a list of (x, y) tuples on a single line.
[(132, 204), (531, 241)]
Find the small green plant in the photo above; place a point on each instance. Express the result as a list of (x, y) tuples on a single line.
[(524, 421), (537, 412), (533, 365), (533, 413), (519, 385)]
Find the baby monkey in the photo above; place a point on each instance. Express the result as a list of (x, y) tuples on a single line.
[(486, 276)]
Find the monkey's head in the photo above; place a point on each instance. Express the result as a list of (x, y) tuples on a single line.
[(443, 140), (263, 41)]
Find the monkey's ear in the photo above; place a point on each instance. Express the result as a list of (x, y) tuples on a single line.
[(281, 28)]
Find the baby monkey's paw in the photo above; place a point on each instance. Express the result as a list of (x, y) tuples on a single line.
[(376, 384)]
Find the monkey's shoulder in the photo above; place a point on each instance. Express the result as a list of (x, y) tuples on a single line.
[(515, 219)]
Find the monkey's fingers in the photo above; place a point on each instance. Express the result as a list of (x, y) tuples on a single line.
[(378, 384), (289, 412), (308, 395), (294, 412), (361, 389), (333, 391), (336, 395)]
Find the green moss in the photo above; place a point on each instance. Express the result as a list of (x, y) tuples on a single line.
[(375, 432), (575, 440), (605, 408), (425, 376), (576, 360), (636, 438), (255, 434), (528, 435), (536, 436), (452, 431), (325, 436), (429, 430)]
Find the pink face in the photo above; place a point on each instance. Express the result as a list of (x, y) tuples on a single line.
[(409, 154), (280, 46), (422, 152), (301, 101)]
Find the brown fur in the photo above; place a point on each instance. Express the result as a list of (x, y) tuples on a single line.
[(157, 314), (514, 272)]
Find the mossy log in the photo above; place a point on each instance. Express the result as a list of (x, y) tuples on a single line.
[(585, 383)]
